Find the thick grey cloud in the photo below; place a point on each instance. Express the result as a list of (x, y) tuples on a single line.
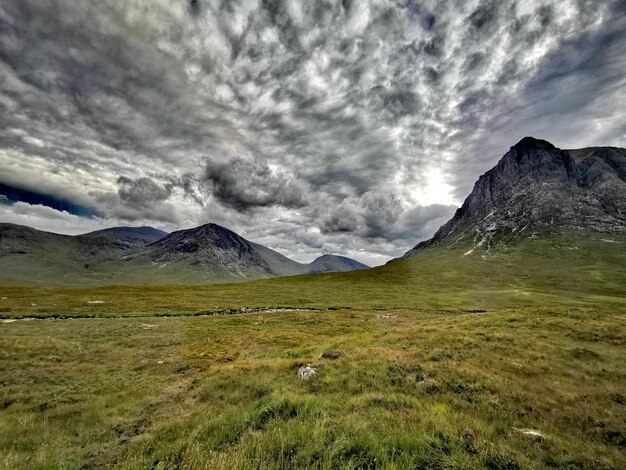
[(141, 191), (327, 126), (247, 184)]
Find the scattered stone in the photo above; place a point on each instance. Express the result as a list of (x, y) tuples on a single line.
[(160, 363), (33, 305), (4, 298), (532, 433), (386, 316), (306, 372), (331, 355), (516, 364), (147, 326), (95, 301)]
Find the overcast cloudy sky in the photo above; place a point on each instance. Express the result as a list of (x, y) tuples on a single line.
[(347, 127)]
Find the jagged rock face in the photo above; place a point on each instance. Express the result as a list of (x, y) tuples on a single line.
[(537, 186)]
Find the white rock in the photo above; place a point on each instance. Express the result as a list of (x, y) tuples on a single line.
[(95, 301), (306, 372), (160, 362), (530, 433)]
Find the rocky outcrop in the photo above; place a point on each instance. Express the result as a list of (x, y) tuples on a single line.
[(537, 186)]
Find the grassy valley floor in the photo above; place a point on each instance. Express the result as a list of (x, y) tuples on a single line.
[(443, 361), (408, 390)]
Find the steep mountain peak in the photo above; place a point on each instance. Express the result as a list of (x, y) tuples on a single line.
[(536, 186), (213, 229), (531, 143), (208, 236)]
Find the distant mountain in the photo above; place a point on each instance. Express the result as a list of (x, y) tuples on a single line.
[(214, 249), (209, 253), (331, 263), (19, 239), (33, 256), (132, 235), (535, 188), (219, 252)]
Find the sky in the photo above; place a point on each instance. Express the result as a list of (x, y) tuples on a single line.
[(313, 127)]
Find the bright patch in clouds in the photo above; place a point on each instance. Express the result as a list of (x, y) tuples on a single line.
[(435, 191)]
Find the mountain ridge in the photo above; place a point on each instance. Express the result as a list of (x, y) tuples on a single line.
[(537, 186), (207, 253)]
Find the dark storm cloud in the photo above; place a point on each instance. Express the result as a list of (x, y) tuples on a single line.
[(334, 126), (10, 194), (245, 184), (369, 215)]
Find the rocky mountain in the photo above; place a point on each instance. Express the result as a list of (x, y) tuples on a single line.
[(221, 252), (209, 253), (537, 187), (214, 249)]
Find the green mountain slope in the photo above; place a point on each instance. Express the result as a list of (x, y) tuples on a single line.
[(144, 255)]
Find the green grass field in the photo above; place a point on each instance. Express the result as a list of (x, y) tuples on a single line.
[(444, 361)]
